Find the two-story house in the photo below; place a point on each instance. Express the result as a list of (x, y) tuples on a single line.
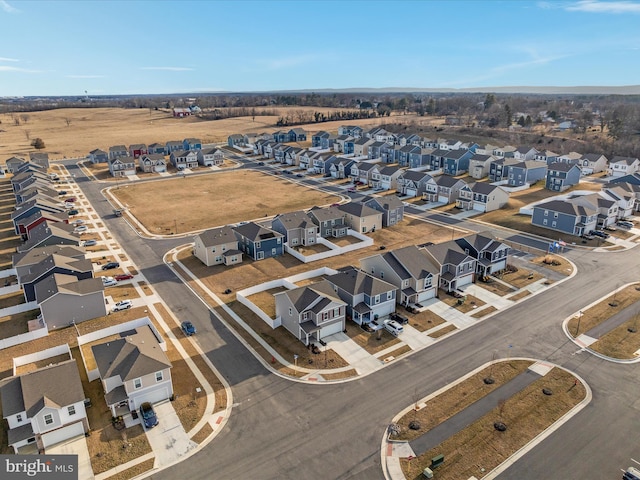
[(491, 254), (360, 217), (413, 273), (561, 176), (184, 159), (137, 149), (456, 162), (456, 268), (565, 216), (620, 166), (482, 197), (479, 165), (591, 163), (192, 144), (217, 246), (98, 156), (297, 227), (259, 242), (390, 206), (311, 312), (413, 183), (527, 172), (447, 189), (118, 151), (330, 221), (210, 157), (152, 163), (367, 297), (122, 166), (44, 407), (361, 146)]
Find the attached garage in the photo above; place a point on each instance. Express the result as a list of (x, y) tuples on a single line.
[(443, 199), (496, 267), (479, 207), (62, 434), (331, 329), (465, 280), (154, 396), (426, 295), (412, 192)]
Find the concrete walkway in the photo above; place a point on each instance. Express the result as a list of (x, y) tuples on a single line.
[(613, 322), (353, 353), (486, 296), (473, 412)]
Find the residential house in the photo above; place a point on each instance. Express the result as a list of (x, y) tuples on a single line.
[(436, 160), (322, 164), (320, 138), (65, 300), (632, 187), (546, 156), (342, 168), (296, 135), (46, 234), (79, 268), (25, 225), (192, 144), (390, 206), (606, 206), (210, 157), (572, 158), (118, 151), (312, 312), (292, 155), (420, 158), (133, 369), (360, 217), (40, 158), (455, 267), (13, 163), (298, 228), (485, 149), (172, 146), (591, 163), (137, 149), (22, 180), (413, 183), (37, 191), (565, 216), (527, 172), (367, 298), (500, 167), (156, 148), (330, 221), (405, 152), (390, 153), (31, 207), (389, 177), (44, 407), (409, 139), (561, 176), (373, 151), (236, 140), (217, 246), (183, 159), (122, 166), (504, 152), (24, 262), (523, 153), (338, 143), (361, 146), (279, 152), (445, 144), (620, 166), (456, 162), (363, 172), (447, 192), (259, 242), (413, 273), (351, 130), (180, 112), (490, 253), (152, 163), (482, 197), (349, 145), (98, 156), (306, 159), (625, 199), (479, 165)]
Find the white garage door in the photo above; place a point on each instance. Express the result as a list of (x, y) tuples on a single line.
[(331, 329), (479, 207), (466, 280), (412, 192), (62, 434), (443, 199), (154, 396), (422, 296), (499, 266)]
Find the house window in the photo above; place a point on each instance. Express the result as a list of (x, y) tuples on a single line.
[(555, 214), (553, 224), (137, 383), (257, 244), (376, 299), (546, 213), (71, 410), (48, 419), (427, 282), (290, 311), (159, 376), (19, 417), (218, 259), (389, 295), (213, 250), (544, 222), (381, 274)]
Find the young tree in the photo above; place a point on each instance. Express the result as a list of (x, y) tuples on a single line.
[(38, 143)]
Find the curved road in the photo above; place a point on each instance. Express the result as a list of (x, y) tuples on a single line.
[(280, 429)]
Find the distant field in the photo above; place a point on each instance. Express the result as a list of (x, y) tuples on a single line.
[(205, 201), (74, 132)]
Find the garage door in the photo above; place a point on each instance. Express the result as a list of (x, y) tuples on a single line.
[(412, 192), (499, 266), (466, 280), (331, 329), (153, 396), (422, 296), (62, 434), (479, 207), (443, 199)]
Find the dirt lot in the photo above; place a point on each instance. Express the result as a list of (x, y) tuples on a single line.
[(215, 200), (90, 128)]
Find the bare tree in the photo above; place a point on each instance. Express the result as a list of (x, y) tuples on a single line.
[(67, 120), (16, 121), (24, 117), (27, 133)]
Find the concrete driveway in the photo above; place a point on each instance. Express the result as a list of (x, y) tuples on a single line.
[(76, 446), (168, 439)]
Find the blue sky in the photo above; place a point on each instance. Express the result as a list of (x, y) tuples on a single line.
[(125, 47)]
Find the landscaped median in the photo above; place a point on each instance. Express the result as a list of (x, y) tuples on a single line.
[(471, 427), (610, 325)]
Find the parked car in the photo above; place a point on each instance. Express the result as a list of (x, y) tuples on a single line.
[(261, 163), (110, 265), (80, 229), (588, 236), (375, 326), (123, 305), (148, 414), (624, 224), (109, 281), (72, 212), (401, 319), (610, 228), (351, 189), (600, 233), (393, 327), (299, 175), (69, 205), (62, 192), (77, 221), (89, 243), (188, 328), (123, 276)]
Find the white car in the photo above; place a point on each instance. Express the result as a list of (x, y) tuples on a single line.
[(77, 221), (109, 281), (80, 229), (123, 305)]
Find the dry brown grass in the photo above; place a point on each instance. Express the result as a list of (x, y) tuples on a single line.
[(122, 292), (398, 352), (622, 342), (555, 263), (133, 471), (496, 287), (372, 342), (484, 312), (11, 299), (265, 301), (601, 311), (443, 331), (214, 200), (202, 434), (352, 372), (521, 278), (469, 303), (520, 295), (425, 320), (16, 324), (479, 448)]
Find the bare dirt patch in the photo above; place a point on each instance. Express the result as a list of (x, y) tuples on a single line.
[(464, 304), (443, 331), (372, 342), (17, 323), (484, 312), (352, 372), (214, 200), (425, 320), (520, 295)]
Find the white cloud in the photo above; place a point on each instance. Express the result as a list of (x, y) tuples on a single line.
[(85, 76), (7, 68), (5, 59), (168, 69), (287, 62), (8, 8), (594, 6)]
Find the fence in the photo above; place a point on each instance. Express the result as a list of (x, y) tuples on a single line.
[(41, 355), (42, 331)]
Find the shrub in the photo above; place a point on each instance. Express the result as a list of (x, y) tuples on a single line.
[(38, 143)]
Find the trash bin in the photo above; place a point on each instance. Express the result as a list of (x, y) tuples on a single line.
[(427, 473)]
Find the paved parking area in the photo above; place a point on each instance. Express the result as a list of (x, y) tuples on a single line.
[(76, 446), (168, 439)]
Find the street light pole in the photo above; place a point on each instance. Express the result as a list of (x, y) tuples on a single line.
[(579, 318)]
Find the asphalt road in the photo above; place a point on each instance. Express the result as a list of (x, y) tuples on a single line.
[(280, 429)]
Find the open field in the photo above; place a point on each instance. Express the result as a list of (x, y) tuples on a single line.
[(74, 132), (214, 200)]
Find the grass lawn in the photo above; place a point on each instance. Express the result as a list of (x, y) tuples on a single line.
[(11, 299), (621, 342), (520, 295), (484, 312), (498, 288), (425, 320), (265, 301), (443, 331), (16, 324), (214, 200), (469, 302), (372, 342), (521, 278), (479, 448)]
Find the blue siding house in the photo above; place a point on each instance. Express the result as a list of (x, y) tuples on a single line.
[(525, 172), (456, 162), (259, 242), (561, 176), (565, 216), (192, 144)]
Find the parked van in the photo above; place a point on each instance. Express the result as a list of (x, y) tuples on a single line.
[(632, 473), (393, 327)]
